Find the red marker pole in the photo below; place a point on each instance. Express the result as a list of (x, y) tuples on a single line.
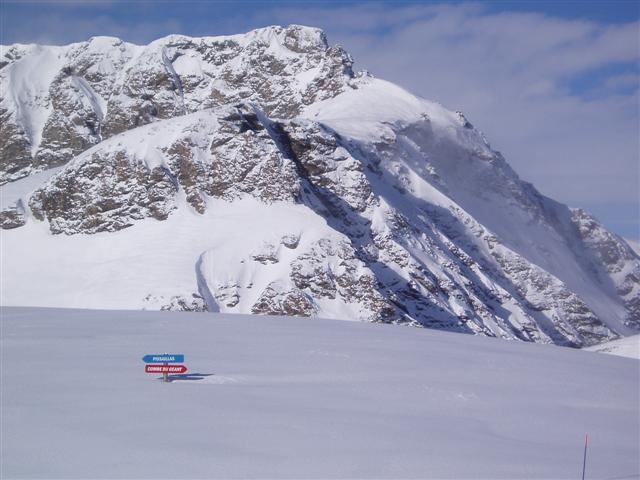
[(584, 460)]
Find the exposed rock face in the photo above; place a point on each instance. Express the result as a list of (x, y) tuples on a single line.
[(106, 193), (178, 303), (15, 155), (279, 299), (55, 102), (74, 123), (541, 292), (13, 216), (327, 164), (414, 218), (617, 263), (331, 269), (96, 89), (246, 160), (225, 156)]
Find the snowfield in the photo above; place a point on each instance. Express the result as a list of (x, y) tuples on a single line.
[(625, 347), (274, 397)]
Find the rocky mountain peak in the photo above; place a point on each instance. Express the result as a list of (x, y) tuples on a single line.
[(89, 91), (257, 173)]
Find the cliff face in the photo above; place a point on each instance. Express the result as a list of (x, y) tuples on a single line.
[(59, 101), (367, 202)]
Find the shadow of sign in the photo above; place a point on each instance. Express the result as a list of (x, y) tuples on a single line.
[(187, 376)]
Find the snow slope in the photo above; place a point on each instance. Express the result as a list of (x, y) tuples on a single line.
[(484, 188), (146, 266), (634, 245), (269, 397), (625, 347), (29, 81)]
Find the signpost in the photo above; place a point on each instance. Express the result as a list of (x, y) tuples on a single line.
[(165, 359)]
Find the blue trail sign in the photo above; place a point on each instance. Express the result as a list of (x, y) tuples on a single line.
[(164, 358)]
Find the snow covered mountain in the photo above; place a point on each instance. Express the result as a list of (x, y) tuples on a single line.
[(258, 173)]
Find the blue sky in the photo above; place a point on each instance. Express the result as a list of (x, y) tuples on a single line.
[(553, 84), (144, 20)]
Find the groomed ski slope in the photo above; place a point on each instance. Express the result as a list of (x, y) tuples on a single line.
[(303, 398)]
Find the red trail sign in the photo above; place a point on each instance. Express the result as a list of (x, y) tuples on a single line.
[(165, 368)]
